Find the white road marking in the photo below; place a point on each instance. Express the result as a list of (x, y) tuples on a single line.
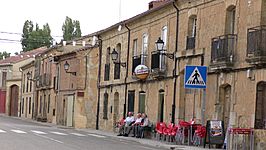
[(58, 133), (77, 134), (46, 137), (2, 131), (99, 136), (38, 132), (18, 131)]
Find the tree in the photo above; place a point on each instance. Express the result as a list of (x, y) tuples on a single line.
[(35, 38), (71, 29), (4, 54)]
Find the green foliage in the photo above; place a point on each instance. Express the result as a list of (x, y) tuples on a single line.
[(4, 55), (35, 38), (71, 29)]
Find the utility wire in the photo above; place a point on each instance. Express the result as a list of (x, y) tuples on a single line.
[(4, 32)]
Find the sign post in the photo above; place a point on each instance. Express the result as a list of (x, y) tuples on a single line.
[(196, 78)]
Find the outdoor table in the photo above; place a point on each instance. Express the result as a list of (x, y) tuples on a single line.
[(236, 133)]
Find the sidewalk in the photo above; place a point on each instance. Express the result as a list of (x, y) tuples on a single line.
[(144, 141)]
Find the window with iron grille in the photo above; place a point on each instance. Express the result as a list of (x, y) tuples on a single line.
[(117, 71), (106, 72), (136, 61), (105, 106)]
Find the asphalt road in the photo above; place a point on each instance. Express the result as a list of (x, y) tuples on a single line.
[(17, 134)]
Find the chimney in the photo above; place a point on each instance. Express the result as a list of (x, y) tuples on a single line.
[(157, 3)]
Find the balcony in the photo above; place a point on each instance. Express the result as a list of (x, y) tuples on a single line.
[(190, 42), (44, 80), (222, 51), (158, 64), (138, 60), (256, 45)]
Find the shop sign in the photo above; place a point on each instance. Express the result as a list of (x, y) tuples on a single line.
[(141, 72)]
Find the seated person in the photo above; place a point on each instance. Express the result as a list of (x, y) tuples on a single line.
[(145, 124), (136, 125), (128, 122), (121, 125)]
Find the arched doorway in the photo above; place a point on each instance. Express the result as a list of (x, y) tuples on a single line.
[(13, 109), (260, 115), (225, 103), (116, 108)]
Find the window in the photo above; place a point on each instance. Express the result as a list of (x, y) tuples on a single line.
[(164, 36), (144, 48), (117, 66), (40, 109), (230, 20), (107, 65), (27, 86), (31, 84), (4, 79), (29, 105), (142, 96), (135, 47), (105, 106), (24, 80), (192, 31), (48, 109), (22, 106), (131, 101)]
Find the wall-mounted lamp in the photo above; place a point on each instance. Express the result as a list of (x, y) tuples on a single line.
[(29, 77), (159, 44), (114, 56), (66, 67)]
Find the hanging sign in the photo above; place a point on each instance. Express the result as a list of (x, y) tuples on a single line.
[(141, 72)]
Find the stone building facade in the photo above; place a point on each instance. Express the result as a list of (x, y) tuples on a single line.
[(120, 90), (27, 91), (224, 35), (77, 87)]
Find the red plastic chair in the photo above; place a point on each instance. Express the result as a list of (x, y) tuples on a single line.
[(167, 130), (159, 129)]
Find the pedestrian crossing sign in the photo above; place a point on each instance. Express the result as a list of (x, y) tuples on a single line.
[(195, 77)]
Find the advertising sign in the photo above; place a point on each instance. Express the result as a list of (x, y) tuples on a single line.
[(141, 72)]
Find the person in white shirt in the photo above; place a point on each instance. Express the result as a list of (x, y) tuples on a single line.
[(136, 125), (126, 123), (145, 124)]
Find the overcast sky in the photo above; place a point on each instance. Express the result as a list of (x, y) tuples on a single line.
[(93, 15)]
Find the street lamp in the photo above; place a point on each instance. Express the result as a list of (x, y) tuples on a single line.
[(66, 67), (29, 76), (114, 56), (159, 44)]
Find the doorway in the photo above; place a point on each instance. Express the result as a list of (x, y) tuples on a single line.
[(161, 106), (260, 115), (116, 108), (70, 110), (225, 102), (14, 100)]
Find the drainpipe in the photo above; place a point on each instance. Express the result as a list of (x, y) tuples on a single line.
[(175, 67), (128, 49), (98, 82)]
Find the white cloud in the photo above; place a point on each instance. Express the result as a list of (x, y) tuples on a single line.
[(93, 15)]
